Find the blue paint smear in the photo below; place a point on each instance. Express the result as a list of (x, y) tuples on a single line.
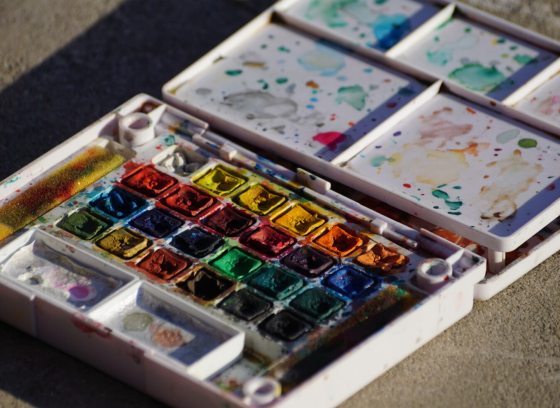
[(390, 29)]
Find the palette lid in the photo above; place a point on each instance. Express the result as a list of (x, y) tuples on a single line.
[(352, 120)]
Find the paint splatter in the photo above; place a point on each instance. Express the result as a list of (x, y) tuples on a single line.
[(390, 29), (507, 136), (443, 55), (261, 105), (281, 81), (452, 205), (524, 59), (378, 161), (527, 143), (354, 96), (323, 60), (478, 77), (329, 11), (515, 176), (234, 72), (330, 139)]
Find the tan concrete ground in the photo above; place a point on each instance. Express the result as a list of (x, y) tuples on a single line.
[(65, 63)]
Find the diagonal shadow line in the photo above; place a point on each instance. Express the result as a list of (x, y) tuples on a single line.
[(136, 48)]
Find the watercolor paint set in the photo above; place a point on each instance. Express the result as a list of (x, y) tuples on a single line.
[(319, 196), (347, 91), (200, 273)]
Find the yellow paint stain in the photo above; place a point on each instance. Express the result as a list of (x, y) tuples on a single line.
[(299, 220), (62, 183)]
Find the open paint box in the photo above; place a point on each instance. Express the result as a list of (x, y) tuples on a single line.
[(414, 178)]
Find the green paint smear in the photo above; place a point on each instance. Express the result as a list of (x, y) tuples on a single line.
[(281, 81), (380, 1), (440, 194), (283, 49), (454, 212), (527, 143), (524, 59), (329, 11), (378, 161), (169, 140), (478, 77), (353, 95), (234, 72)]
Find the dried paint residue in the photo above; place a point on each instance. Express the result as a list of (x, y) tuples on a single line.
[(64, 182), (382, 257), (515, 176), (299, 220), (123, 243), (441, 131), (84, 224), (220, 181), (259, 200), (236, 263), (339, 241), (478, 77), (322, 60), (353, 95)]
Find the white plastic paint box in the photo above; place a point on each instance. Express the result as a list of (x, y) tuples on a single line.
[(111, 277), (361, 115), (119, 285)]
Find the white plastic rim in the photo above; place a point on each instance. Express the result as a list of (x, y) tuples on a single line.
[(136, 129), (261, 391), (433, 273)]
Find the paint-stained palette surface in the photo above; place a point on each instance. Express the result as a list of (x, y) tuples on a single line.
[(467, 164), (478, 58), (544, 102), (378, 24), (298, 91)]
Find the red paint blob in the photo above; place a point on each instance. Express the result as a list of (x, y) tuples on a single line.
[(149, 182), (330, 139), (406, 185)]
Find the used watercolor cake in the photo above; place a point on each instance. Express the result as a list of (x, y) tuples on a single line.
[(183, 258)]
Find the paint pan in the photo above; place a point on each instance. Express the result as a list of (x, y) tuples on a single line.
[(299, 220), (200, 343), (163, 264), (188, 201), (377, 25), (54, 269), (205, 285), (339, 240), (275, 282), (316, 303), (268, 241), (228, 221), (123, 243), (220, 180), (285, 326), (156, 223), (84, 224), (259, 200), (308, 261), (236, 263), (351, 283), (197, 242), (118, 203), (180, 161), (149, 182), (245, 305)]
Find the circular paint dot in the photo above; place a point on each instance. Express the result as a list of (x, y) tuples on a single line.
[(137, 321), (81, 293), (527, 143), (166, 337)]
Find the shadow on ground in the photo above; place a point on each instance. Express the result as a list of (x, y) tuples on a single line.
[(136, 48)]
